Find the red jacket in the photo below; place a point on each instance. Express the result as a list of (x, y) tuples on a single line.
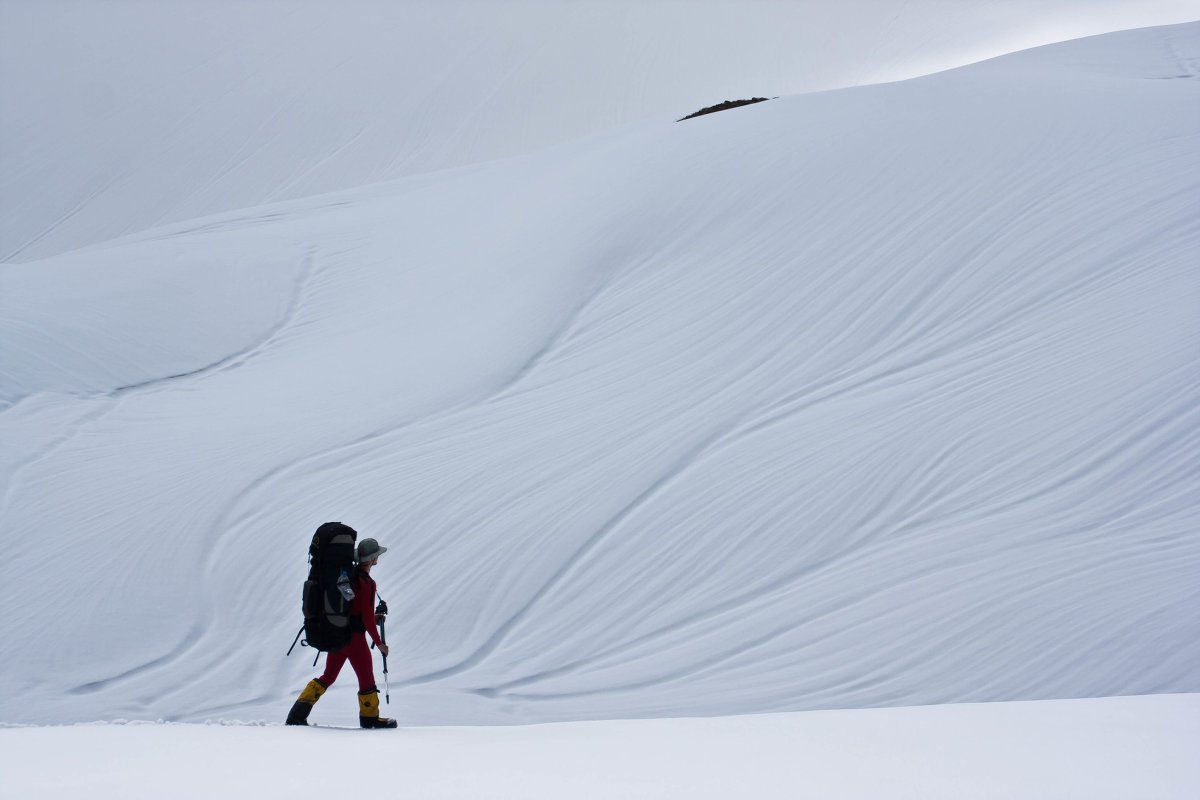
[(362, 607)]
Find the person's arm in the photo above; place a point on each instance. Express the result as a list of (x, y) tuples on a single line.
[(367, 614)]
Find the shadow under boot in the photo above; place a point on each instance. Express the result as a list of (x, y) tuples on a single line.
[(311, 694), (368, 710)]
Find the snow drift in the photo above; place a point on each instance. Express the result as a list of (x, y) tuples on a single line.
[(870, 397)]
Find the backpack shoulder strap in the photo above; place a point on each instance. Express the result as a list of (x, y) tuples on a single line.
[(364, 579)]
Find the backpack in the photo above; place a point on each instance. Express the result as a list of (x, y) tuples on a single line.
[(328, 592)]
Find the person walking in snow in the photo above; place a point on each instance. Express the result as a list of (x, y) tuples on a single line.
[(364, 620)]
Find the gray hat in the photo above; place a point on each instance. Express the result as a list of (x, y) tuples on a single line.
[(369, 550)]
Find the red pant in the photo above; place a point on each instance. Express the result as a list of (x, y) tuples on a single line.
[(360, 659)]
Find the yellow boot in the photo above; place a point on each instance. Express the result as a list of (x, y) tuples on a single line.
[(311, 694), (368, 710)]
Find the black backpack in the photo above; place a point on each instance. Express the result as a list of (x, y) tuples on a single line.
[(328, 592)]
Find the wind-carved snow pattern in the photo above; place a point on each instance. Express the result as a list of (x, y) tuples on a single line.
[(82, 398), (872, 397)]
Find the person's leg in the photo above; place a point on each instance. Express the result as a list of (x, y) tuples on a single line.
[(304, 703), (315, 688), (368, 693), (334, 663), (360, 658)]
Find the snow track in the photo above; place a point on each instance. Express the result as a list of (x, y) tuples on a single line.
[(882, 396)]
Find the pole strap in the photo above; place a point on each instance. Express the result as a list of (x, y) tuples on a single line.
[(293, 647)]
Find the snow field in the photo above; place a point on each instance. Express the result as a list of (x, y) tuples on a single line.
[(883, 396), (1103, 748)]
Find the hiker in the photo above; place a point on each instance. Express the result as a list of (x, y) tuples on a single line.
[(364, 621)]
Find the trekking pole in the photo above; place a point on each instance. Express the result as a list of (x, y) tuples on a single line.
[(381, 615), (383, 638)]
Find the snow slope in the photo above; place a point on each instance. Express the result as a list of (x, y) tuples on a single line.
[(872, 397), (121, 115), (1119, 747)]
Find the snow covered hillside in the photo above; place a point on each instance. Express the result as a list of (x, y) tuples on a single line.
[(880, 396), (121, 115)]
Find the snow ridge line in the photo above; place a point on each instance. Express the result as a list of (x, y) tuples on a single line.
[(234, 359), (248, 352)]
